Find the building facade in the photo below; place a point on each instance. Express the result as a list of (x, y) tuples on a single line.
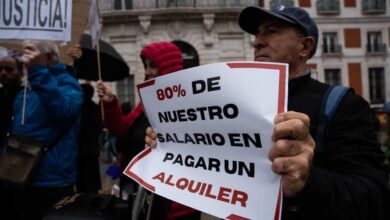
[(353, 47)]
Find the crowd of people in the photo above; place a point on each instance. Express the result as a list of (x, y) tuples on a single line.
[(345, 180)]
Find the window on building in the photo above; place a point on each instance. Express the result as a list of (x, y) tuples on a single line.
[(374, 6), (328, 6), (189, 54), (128, 4), (118, 4), (123, 4), (228, 2), (275, 3), (176, 3), (125, 90), (377, 85), (333, 76), (374, 42), (330, 43)]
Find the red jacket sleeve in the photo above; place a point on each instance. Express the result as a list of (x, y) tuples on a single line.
[(115, 121)]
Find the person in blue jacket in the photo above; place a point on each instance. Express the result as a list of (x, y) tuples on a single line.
[(52, 109)]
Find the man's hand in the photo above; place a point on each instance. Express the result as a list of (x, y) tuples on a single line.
[(150, 138), (32, 56), (293, 151), (104, 92), (74, 52)]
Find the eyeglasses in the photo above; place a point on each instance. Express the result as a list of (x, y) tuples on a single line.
[(7, 69)]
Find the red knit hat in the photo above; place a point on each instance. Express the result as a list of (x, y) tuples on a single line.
[(166, 55)]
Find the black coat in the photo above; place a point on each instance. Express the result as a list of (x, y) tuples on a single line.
[(7, 97), (347, 180), (90, 127), (88, 171), (134, 141)]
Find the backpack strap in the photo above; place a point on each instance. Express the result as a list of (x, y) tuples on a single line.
[(330, 102)]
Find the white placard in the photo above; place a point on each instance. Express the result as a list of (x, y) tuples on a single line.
[(214, 125), (36, 19), (95, 28)]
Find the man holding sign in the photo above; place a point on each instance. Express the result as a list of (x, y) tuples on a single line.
[(346, 179)]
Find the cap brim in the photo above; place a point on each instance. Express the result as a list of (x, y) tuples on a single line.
[(250, 18)]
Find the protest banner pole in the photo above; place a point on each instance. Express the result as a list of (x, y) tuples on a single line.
[(95, 30), (25, 74), (100, 76)]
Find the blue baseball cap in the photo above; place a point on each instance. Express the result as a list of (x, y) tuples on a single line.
[(250, 18)]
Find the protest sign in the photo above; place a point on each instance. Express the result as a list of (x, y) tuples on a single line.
[(37, 19), (214, 125)]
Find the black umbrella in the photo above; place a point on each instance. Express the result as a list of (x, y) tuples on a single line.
[(113, 67)]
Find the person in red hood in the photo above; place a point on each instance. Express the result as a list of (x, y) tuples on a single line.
[(159, 58)]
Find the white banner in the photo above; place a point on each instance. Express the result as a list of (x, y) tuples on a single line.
[(93, 22), (36, 19), (214, 125)]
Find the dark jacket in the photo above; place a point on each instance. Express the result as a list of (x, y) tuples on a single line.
[(347, 180), (7, 97), (90, 129), (134, 142), (88, 171)]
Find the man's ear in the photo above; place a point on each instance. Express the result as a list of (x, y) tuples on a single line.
[(307, 46)]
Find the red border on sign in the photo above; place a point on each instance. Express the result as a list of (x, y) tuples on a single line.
[(278, 203), (236, 217), (282, 79), (143, 85), (146, 84), (135, 176)]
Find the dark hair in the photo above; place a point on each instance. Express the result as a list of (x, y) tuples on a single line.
[(19, 64)]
